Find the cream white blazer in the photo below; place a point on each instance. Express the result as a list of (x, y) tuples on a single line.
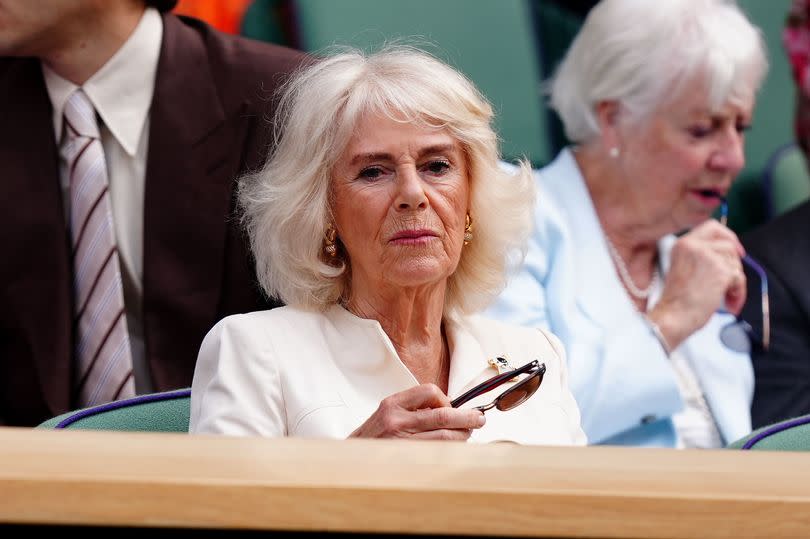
[(291, 372)]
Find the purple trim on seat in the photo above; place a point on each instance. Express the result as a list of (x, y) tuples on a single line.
[(774, 429), (140, 399)]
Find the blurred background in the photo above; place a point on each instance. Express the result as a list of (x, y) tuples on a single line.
[(508, 48)]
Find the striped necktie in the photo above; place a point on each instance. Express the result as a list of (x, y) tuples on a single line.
[(103, 360)]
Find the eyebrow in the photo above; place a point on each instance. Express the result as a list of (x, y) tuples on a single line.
[(706, 111), (383, 156)]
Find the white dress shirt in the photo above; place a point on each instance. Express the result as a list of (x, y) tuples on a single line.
[(291, 372), (121, 92)]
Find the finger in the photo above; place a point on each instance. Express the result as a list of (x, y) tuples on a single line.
[(736, 293), (458, 435), (712, 230), (726, 251), (419, 397), (727, 259), (445, 418)]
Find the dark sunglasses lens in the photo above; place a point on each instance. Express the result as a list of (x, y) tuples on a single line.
[(737, 336), (518, 394)]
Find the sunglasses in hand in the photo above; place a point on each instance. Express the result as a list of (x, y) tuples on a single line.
[(512, 397)]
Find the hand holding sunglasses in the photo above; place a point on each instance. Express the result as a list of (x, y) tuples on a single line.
[(512, 397)]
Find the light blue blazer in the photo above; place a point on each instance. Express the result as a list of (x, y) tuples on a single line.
[(622, 380)]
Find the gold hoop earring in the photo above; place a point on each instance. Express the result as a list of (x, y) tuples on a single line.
[(329, 242), (468, 228)]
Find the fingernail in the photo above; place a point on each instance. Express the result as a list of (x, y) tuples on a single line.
[(482, 419)]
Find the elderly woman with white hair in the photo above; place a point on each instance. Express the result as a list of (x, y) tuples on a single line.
[(383, 221), (626, 265)]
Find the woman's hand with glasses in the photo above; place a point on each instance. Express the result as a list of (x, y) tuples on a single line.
[(739, 335), (705, 275), (515, 395), (422, 412)]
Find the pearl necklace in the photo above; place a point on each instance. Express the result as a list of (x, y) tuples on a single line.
[(624, 274)]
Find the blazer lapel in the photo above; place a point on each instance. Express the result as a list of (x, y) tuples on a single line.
[(186, 205), (36, 275), (370, 359), (468, 364), (367, 357), (599, 292)]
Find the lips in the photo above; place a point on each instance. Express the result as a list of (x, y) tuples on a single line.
[(413, 235), (715, 193), (710, 197)]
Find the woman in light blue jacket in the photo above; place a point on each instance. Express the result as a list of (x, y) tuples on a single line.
[(656, 97)]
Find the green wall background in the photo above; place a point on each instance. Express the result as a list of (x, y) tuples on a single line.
[(491, 41), (507, 47), (773, 117)]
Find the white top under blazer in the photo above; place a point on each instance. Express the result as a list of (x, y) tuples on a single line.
[(294, 372)]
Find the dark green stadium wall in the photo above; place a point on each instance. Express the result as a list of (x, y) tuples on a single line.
[(773, 116), (508, 47)]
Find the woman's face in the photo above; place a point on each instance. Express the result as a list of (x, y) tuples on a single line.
[(684, 158), (400, 198)]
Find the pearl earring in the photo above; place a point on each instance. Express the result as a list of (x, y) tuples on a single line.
[(614, 152)]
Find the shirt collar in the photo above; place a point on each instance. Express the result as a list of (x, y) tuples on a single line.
[(117, 90)]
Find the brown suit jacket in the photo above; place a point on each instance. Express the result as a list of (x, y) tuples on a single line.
[(209, 123)]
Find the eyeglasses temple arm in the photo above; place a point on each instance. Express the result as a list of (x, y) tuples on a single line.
[(763, 281), (766, 309)]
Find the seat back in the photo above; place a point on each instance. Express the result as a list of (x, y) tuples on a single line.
[(785, 181), (789, 435), (155, 412), (493, 43)]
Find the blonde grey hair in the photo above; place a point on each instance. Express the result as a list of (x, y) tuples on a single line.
[(639, 52), (286, 205)]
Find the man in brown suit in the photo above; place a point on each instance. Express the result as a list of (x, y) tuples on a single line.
[(185, 263)]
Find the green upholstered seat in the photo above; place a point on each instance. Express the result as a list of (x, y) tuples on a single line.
[(492, 42), (156, 412), (786, 180), (789, 435)]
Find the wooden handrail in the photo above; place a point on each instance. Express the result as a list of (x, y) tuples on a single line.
[(376, 486)]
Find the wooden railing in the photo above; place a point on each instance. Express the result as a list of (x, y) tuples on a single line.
[(180, 481)]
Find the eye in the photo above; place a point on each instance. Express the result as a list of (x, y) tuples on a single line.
[(700, 131), (743, 127), (371, 173), (437, 167)]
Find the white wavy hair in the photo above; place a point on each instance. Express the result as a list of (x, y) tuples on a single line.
[(286, 205), (640, 52)]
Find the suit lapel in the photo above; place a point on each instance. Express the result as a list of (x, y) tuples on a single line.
[(186, 204), (37, 274), (368, 356)]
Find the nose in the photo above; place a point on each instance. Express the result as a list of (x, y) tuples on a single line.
[(410, 190), (730, 157)]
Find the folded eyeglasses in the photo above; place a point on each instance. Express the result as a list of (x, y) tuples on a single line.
[(512, 397)]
